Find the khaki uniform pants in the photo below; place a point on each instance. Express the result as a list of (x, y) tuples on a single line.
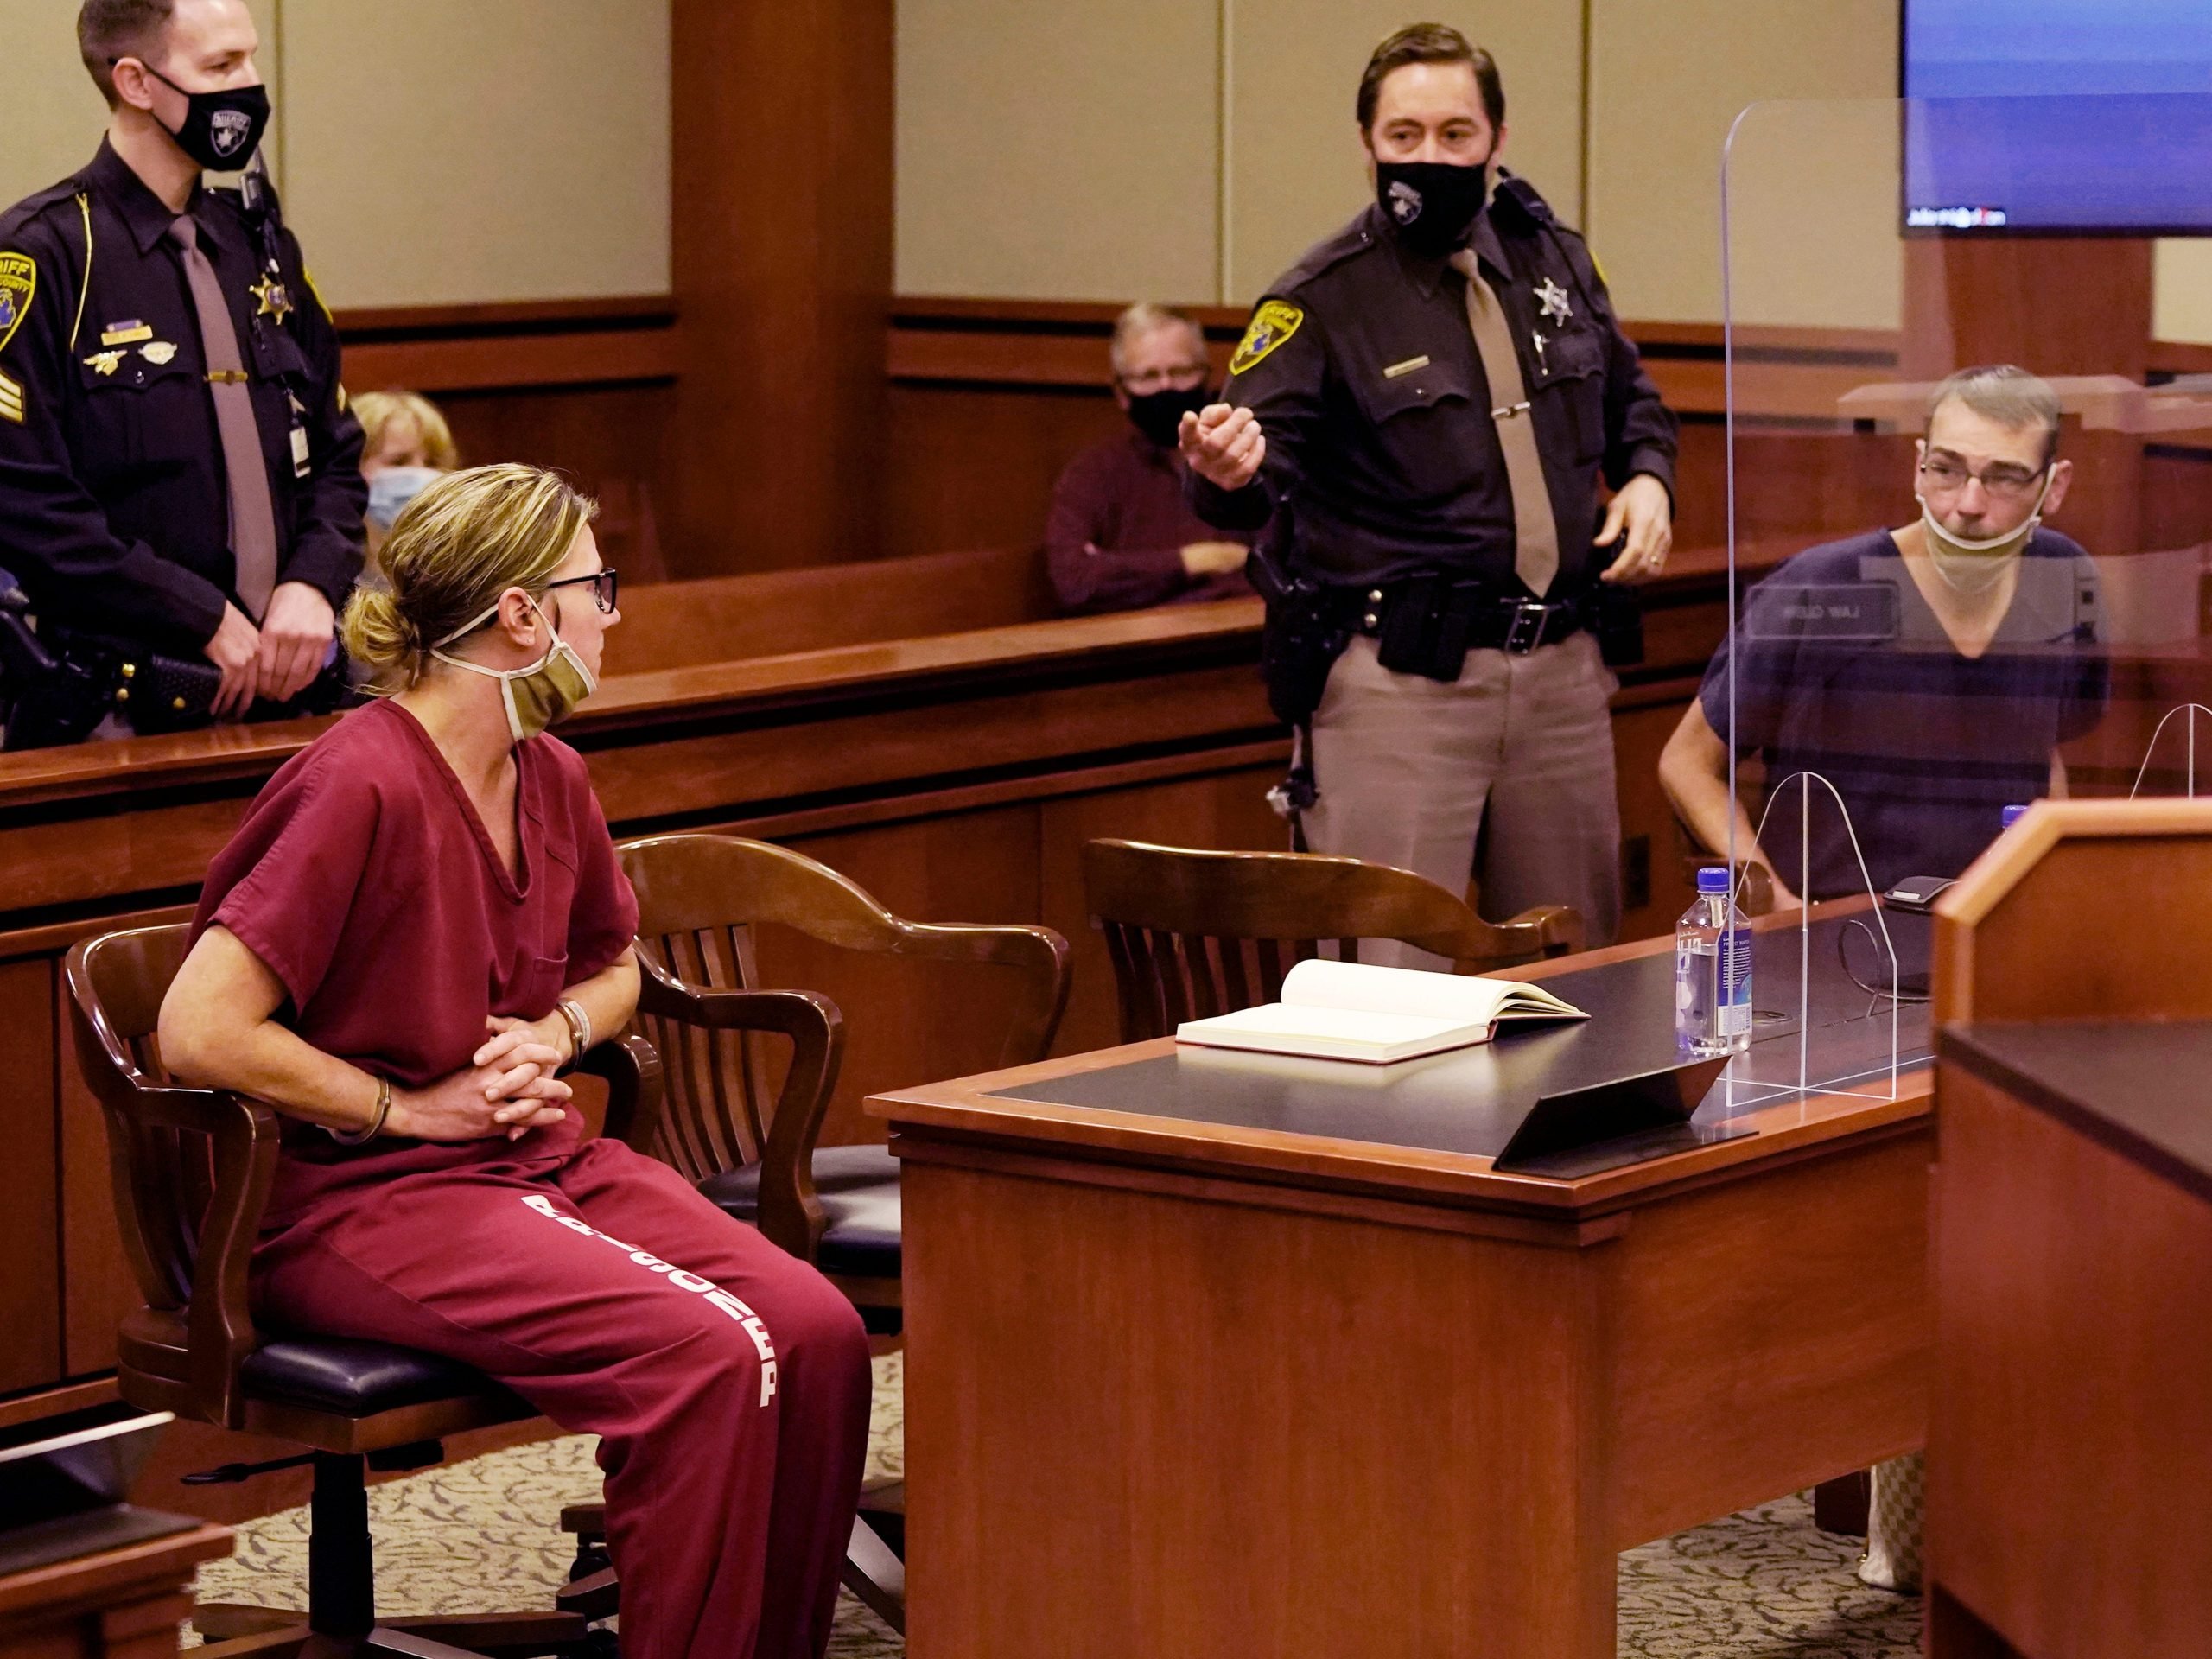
[(1520, 748)]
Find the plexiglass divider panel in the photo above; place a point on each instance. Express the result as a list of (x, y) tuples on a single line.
[(1970, 501)]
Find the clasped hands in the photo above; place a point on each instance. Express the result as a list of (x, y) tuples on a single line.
[(1224, 446), (278, 660), (508, 1087)]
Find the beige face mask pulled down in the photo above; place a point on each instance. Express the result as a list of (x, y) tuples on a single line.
[(1974, 567), (539, 695)]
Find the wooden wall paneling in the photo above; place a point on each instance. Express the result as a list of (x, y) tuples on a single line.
[(584, 386), (1227, 809), (30, 1289), (611, 441), (782, 123), (972, 466), (773, 614), (2177, 497), (909, 1022)]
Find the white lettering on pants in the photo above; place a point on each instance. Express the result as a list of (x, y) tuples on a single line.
[(720, 1300)]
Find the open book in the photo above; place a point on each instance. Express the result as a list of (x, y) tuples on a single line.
[(1351, 1011)]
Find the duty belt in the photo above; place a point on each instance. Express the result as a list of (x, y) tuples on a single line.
[(1430, 622)]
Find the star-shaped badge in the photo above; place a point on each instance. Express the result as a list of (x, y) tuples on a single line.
[(274, 301), (1551, 299)]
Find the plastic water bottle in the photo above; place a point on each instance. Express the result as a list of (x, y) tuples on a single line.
[(2011, 816), (1713, 973)]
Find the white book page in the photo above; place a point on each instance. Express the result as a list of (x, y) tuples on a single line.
[(1317, 983), (1377, 1028)]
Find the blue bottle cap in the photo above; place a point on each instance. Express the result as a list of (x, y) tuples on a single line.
[(1713, 878), (2013, 815)]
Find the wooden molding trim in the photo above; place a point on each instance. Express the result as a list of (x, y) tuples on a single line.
[(627, 339), (490, 363), (1787, 374), (505, 316)]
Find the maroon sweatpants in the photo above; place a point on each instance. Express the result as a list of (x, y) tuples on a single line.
[(728, 1381)]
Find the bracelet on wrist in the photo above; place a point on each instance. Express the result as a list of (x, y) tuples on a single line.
[(579, 1023), (362, 1137)]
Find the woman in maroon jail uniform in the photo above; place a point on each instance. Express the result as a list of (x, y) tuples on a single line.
[(418, 925)]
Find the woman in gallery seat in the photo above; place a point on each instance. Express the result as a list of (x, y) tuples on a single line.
[(419, 925)]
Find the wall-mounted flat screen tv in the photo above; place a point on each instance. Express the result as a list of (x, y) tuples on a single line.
[(2060, 117)]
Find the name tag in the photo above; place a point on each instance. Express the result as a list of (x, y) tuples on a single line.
[(299, 452), (1406, 367)]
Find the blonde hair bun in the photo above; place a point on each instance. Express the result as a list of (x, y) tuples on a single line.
[(464, 541)]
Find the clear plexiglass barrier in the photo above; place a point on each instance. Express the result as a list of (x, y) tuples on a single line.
[(1970, 503)]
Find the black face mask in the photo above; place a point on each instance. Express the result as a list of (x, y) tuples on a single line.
[(1158, 415), (1431, 205), (221, 130)]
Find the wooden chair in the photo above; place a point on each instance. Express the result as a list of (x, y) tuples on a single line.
[(192, 1171), (700, 897), (1195, 933)]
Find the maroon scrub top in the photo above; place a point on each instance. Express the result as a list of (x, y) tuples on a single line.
[(365, 881)]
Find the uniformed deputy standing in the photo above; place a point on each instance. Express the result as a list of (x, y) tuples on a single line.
[(1430, 396), (177, 466)]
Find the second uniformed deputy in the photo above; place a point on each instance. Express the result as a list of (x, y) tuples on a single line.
[(176, 465), (1428, 398)]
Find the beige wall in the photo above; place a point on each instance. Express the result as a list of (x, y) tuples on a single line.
[(1067, 150), (1186, 151), (499, 149), (429, 153), (1666, 79)]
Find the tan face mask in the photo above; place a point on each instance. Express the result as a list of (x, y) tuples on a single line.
[(542, 695)]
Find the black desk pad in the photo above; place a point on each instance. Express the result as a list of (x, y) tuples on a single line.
[(1471, 1099)]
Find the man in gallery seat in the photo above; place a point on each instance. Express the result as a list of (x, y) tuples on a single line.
[(1929, 673), (1120, 535)]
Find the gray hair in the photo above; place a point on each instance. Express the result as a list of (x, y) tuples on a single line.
[(1141, 319), (2006, 394)]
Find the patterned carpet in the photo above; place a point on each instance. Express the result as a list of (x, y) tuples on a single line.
[(1763, 1585)]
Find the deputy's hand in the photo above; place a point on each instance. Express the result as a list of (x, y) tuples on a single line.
[(295, 636), (235, 649), (1223, 446), (516, 1092), (1203, 559), (1642, 508)]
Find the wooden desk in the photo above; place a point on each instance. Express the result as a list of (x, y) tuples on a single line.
[(2070, 1446), (118, 1603), (1309, 1378)]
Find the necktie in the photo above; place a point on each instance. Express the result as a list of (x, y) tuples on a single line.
[(1535, 536), (253, 519)]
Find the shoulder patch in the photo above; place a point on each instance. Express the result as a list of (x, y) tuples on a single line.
[(1275, 321), (18, 283)]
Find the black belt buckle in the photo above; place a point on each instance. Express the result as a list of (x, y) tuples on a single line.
[(1524, 629)]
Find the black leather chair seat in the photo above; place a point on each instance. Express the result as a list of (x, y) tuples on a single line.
[(859, 1189), (354, 1379)]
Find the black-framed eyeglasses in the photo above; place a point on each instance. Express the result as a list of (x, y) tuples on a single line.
[(604, 584)]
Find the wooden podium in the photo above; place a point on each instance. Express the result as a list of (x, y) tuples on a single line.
[(2070, 1439)]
